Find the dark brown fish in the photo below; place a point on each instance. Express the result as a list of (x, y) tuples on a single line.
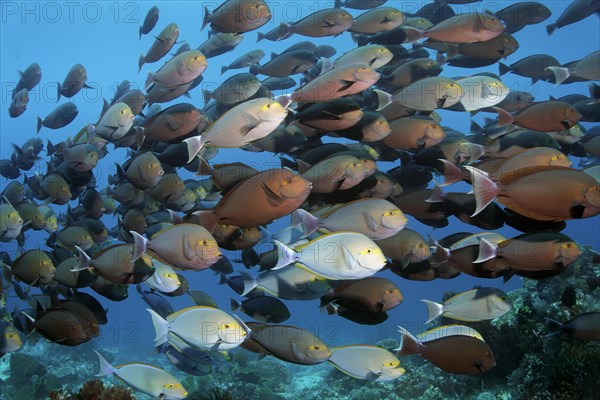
[(149, 21), (370, 295)]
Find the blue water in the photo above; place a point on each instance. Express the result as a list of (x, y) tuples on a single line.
[(103, 36)]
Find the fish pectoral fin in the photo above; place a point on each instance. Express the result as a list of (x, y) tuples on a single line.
[(296, 352), (371, 222), (188, 249), (327, 24), (479, 367), (349, 259), (172, 123), (372, 376), (345, 85), (250, 121), (577, 211), (273, 198), (161, 396)]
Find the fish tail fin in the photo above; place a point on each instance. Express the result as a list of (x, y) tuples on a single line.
[(206, 19), (407, 344), (413, 34), (58, 91), (174, 217), (224, 69), (554, 326), (254, 69), (105, 368), (139, 289), (140, 245), (560, 74), (452, 173), (50, 148), (84, 260), (285, 255), (434, 310), (140, 32), (442, 254), (235, 305), (309, 222), (223, 279), (384, 99), (40, 123), (149, 80), (140, 136), (250, 282), (551, 28), (485, 189), (161, 327), (260, 36), (140, 62), (503, 69), (91, 131), (194, 145), (361, 40), (207, 95), (504, 117), (338, 4), (487, 251)]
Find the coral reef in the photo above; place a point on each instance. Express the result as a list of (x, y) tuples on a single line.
[(94, 390)]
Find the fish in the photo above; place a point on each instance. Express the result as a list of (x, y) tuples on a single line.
[(155, 301), (29, 78), (572, 194), (116, 264), (74, 81), (583, 327), (146, 378), (517, 16), (575, 11), (369, 295), (18, 105), (270, 194), (471, 306), (202, 299), (455, 349), (248, 121), (149, 21), (162, 45), (288, 343), (198, 250), (220, 330), (263, 309), (34, 267), (326, 22), (237, 16), (442, 93), (245, 60), (220, 43), (377, 20), (164, 279), (234, 90), (586, 68), (376, 218), (340, 255), (370, 363)]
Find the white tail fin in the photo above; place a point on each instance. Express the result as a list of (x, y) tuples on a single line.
[(161, 327), (434, 310), (105, 367)]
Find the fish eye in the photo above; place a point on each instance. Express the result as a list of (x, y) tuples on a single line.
[(171, 386), (369, 251), (227, 326), (316, 347), (391, 291)]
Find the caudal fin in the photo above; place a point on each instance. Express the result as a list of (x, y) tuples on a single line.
[(161, 327), (84, 260), (560, 74), (250, 282), (194, 145), (487, 251), (504, 117), (285, 255), (551, 28), (434, 310), (408, 344), (485, 189), (140, 245), (309, 222), (384, 99), (104, 368)]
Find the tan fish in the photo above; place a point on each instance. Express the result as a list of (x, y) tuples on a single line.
[(183, 246), (234, 16), (327, 22), (179, 70), (470, 306), (371, 363), (375, 218), (161, 46)]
